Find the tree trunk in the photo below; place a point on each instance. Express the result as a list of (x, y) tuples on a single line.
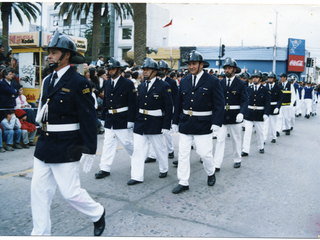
[(140, 31), (96, 30), (5, 12)]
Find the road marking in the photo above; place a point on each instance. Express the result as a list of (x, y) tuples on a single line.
[(15, 174)]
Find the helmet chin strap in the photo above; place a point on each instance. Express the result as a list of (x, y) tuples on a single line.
[(112, 76), (257, 82), (230, 74), (54, 65), (147, 78)]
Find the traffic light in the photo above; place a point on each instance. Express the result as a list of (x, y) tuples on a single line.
[(223, 50), (312, 62), (309, 63)]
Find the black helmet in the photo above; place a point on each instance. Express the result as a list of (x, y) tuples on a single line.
[(249, 75), (113, 63), (163, 64), (264, 76), (256, 73), (195, 56), (64, 42), (150, 63), (232, 63), (272, 75), (222, 74), (244, 75)]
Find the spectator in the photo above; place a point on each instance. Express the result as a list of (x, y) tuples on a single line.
[(1, 148), (2, 57), (102, 77), (21, 103), (94, 77), (8, 91), (100, 62), (28, 130), (12, 131)]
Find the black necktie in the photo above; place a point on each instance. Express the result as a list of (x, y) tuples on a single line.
[(194, 81), (112, 84), (55, 76), (229, 82), (148, 85), (255, 88)]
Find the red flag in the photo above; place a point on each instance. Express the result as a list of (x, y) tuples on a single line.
[(170, 23)]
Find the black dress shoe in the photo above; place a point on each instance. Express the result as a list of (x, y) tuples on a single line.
[(149, 160), (237, 165), (102, 174), (244, 154), (201, 160), (261, 151), (163, 175), (278, 134), (273, 141), (211, 180), (214, 137), (133, 182), (217, 170), (175, 163), (100, 225), (171, 155), (287, 132), (180, 189)]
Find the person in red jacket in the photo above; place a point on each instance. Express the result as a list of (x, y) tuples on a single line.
[(28, 129)]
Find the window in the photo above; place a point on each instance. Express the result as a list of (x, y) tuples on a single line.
[(126, 33)]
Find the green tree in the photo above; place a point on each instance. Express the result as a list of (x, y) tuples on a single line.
[(28, 9), (140, 31), (122, 10)]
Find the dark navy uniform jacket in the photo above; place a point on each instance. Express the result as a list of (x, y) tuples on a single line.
[(70, 101), (8, 94), (158, 97), (276, 97), (122, 95), (174, 87), (261, 98), (235, 95), (206, 96)]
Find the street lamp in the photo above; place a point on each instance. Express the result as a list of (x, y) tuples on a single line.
[(275, 44)]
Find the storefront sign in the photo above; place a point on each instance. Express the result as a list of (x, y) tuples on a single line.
[(24, 39), (295, 63)]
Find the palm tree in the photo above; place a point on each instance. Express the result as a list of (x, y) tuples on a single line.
[(140, 31), (122, 10), (30, 10)]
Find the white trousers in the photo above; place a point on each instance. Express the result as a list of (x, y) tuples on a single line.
[(273, 126), (169, 142), (248, 134), (110, 143), (45, 179), (293, 117), (140, 153), (286, 114), (314, 107), (308, 106), (204, 149), (265, 129), (235, 134)]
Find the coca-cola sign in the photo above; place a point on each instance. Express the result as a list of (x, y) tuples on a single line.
[(295, 63)]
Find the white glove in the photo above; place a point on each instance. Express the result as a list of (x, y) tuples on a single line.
[(265, 117), (102, 123), (165, 131), (87, 160), (215, 128), (175, 128), (239, 118), (276, 110), (130, 125)]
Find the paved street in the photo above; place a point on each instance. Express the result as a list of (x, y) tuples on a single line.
[(272, 195)]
